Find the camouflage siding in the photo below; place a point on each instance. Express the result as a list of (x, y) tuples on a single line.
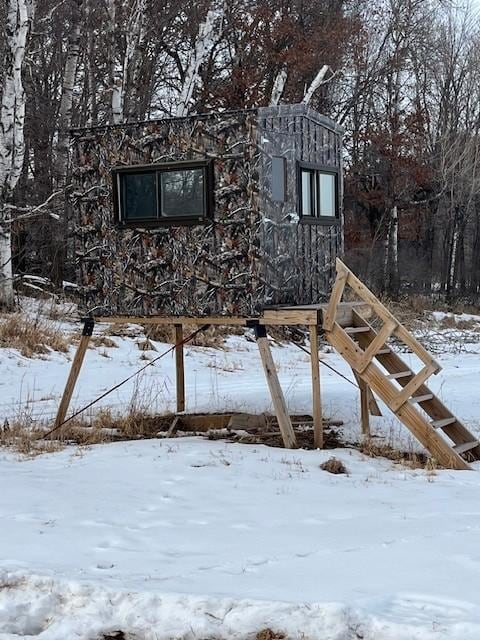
[(200, 269), (298, 259)]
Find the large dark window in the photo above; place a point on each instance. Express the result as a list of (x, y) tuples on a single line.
[(170, 193), (318, 193)]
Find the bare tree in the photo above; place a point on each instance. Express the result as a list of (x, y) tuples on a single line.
[(12, 142)]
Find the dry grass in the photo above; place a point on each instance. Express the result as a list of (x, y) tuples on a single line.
[(334, 465), (269, 634), (25, 439), (24, 436), (214, 336), (31, 336), (411, 459)]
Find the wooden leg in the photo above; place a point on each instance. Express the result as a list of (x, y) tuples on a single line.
[(364, 404), (88, 326), (179, 369), (372, 404), (316, 393), (278, 400)]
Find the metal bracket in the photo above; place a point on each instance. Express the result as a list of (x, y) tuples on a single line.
[(88, 325), (260, 331)]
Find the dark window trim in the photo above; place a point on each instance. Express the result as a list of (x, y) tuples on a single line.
[(159, 167), (317, 169)]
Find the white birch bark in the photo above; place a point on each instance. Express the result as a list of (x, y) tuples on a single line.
[(66, 103), (279, 86), (209, 33), (116, 68), (453, 259), (12, 143), (315, 84), (133, 55), (394, 272)]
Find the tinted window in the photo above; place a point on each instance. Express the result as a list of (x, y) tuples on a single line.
[(278, 179), (307, 194), (182, 193), (327, 194), (139, 195)]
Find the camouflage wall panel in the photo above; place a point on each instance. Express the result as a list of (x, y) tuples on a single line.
[(202, 269)]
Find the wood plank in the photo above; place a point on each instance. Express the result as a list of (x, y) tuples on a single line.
[(276, 393), (74, 373), (345, 346), (179, 368), (421, 398), (373, 405), (412, 386), (377, 342), (364, 404), (467, 446), (316, 389), (245, 421), (220, 320), (400, 374), (173, 427), (289, 317), (353, 330), (335, 297), (439, 424)]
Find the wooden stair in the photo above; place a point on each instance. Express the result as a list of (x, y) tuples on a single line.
[(386, 374)]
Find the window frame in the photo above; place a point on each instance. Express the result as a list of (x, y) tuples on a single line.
[(316, 170), (158, 168)]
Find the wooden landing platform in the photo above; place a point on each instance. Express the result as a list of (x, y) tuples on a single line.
[(306, 315)]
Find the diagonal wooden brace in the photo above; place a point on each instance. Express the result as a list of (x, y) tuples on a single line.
[(409, 389)]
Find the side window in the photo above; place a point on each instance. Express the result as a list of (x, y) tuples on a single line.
[(279, 179), (162, 194), (318, 193)]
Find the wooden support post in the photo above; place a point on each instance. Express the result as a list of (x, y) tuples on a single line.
[(278, 399), (316, 391), (88, 326), (179, 368), (364, 404)]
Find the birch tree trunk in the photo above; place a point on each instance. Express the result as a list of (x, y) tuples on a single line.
[(315, 84), (132, 64), (209, 33), (66, 104), (12, 143), (116, 69), (394, 274), (279, 86)]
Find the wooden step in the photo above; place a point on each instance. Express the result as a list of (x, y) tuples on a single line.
[(383, 352), (357, 329), (444, 422), (424, 398), (463, 448), (400, 374)]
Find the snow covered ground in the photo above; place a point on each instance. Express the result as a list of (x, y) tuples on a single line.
[(191, 538)]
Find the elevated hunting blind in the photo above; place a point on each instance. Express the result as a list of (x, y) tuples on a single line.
[(213, 219), (222, 213)]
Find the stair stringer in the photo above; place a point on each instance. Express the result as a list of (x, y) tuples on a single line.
[(411, 417)]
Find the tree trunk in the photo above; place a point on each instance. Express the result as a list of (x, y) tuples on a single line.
[(394, 274), (12, 142), (66, 104), (208, 35)]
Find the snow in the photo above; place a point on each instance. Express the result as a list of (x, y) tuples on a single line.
[(191, 538)]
